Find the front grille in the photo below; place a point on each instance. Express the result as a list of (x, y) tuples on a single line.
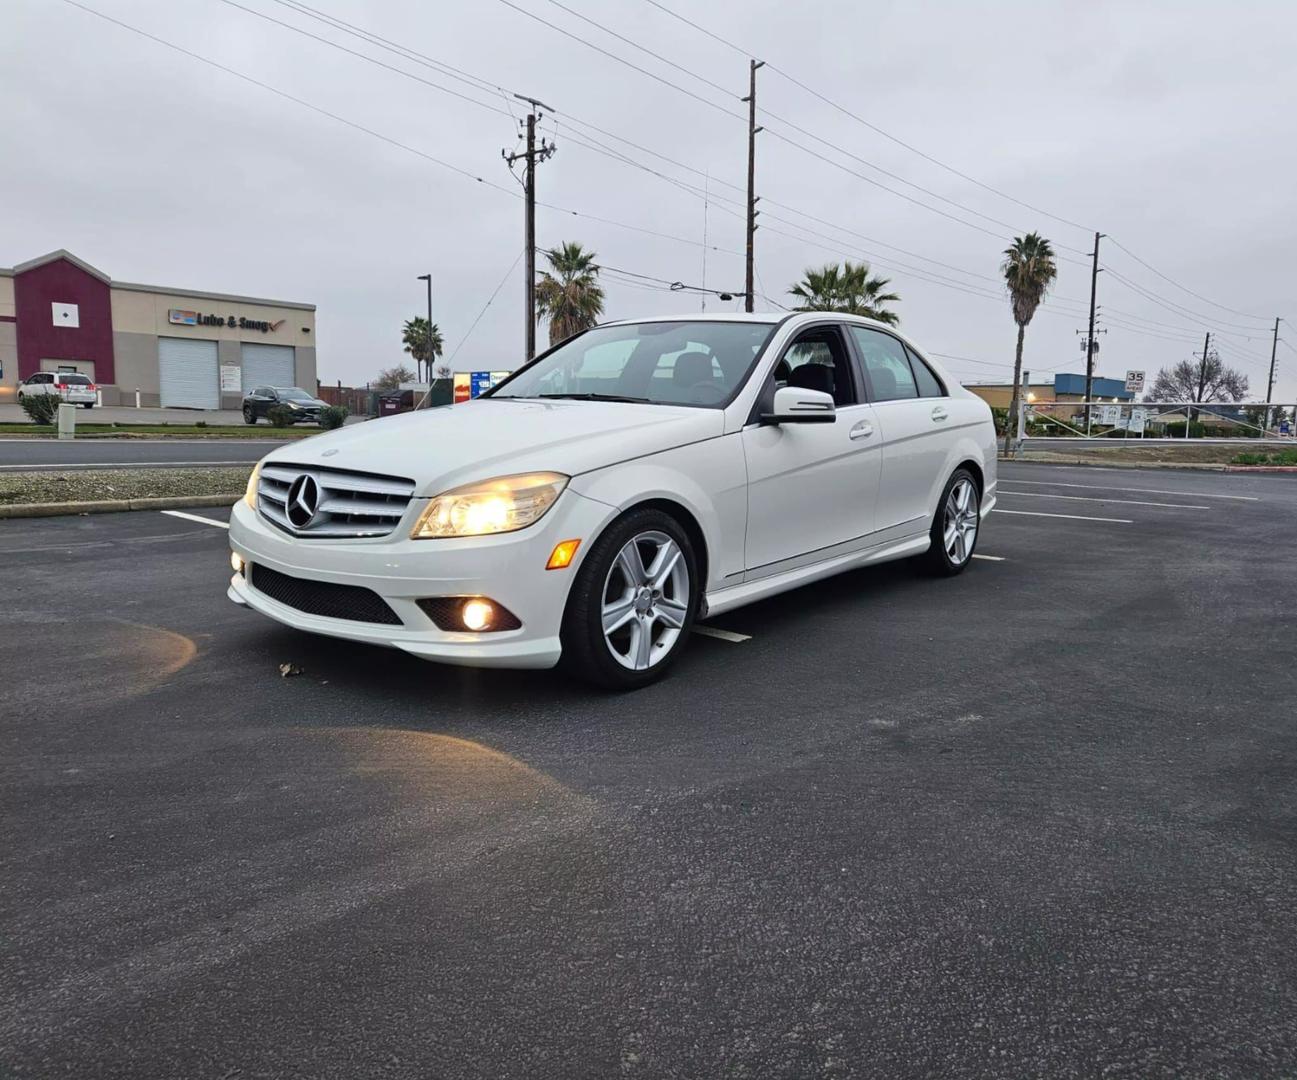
[(324, 597), (351, 504)]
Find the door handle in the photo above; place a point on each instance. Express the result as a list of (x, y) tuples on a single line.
[(939, 413), (861, 431)]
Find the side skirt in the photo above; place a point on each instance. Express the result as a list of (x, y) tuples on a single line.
[(719, 601)]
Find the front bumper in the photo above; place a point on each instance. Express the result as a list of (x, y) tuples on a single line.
[(509, 569)]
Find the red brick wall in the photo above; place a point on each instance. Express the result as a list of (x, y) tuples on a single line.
[(39, 339)]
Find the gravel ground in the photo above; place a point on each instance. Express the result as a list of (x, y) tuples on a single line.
[(102, 484)]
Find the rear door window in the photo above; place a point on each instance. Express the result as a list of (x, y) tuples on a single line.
[(887, 367)]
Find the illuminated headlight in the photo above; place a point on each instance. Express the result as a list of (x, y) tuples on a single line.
[(503, 505), (250, 494)]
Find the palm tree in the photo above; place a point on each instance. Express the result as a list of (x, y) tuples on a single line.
[(847, 288), (415, 338), (1029, 271), (570, 295)]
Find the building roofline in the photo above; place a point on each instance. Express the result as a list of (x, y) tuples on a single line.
[(54, 256), (130, 286)]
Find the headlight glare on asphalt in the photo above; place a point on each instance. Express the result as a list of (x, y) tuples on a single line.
[(250, 494), (505, 504)]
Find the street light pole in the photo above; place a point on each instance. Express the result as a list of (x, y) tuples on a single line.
[(428, 279)]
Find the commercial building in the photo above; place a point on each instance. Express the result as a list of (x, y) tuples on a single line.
[(172, 347), (1061, 389)]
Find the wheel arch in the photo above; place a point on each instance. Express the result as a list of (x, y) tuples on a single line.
[(974, 467)]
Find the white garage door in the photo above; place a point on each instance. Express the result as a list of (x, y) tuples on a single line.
[(187, 373), (267, 365)]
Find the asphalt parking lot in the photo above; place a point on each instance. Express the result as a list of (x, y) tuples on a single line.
[(1036, 820)]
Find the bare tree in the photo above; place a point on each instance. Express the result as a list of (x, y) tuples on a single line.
[(1199, 380), (392, 378)]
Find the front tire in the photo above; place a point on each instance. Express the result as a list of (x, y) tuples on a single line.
[(633, 602), (249, 417), (87, 405), (955, 525)]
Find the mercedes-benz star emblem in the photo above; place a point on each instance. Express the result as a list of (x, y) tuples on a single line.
[(303, 501)]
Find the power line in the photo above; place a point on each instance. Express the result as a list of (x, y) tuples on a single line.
[(1182, 288), (774, 116), (591, 144), (871, 126), (376, 134), (468, 333), (804, 149), (620, 59), (1171, 305), (938, 162)]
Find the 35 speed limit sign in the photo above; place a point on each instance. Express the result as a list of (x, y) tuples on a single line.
[(1135, 382)]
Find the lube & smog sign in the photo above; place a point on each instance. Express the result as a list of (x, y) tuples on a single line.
[(178, 317)]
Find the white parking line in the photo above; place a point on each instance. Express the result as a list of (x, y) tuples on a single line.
[(722, 635), (1146, 491), (990, 558), (1070, 517), (195, 517), (1095, 498)]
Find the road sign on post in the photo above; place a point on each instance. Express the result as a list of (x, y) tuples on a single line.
[(1135, 382)]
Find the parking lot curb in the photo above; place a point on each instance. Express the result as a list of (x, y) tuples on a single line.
[(1197, 466), (114, 506)]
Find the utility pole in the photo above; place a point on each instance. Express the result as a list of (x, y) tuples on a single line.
[(1202, 377), (751, 99), (1269, 383), (428, 278), (533, 157), (1089, 341)]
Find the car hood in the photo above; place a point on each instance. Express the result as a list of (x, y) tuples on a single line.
[(476, 440)]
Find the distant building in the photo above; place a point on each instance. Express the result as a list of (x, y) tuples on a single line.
[(177, 347), (1062, 389)]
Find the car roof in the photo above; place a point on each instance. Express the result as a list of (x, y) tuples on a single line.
[(768, 318)]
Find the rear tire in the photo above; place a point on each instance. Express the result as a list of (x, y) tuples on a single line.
[(87, 404), (956, 525), (633, 602)]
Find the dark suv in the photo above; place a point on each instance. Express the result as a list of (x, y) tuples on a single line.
[(305, 409)]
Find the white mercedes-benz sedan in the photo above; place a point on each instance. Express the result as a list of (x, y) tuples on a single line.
[(635, 478)]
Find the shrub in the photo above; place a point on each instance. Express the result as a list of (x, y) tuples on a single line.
[(280, 415), (1283, 457), (200, 423), (333, 416), (42, 408), (1176, 430)]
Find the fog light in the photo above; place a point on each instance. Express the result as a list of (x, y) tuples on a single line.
[(562, 555), (477, 614), (236, 562)]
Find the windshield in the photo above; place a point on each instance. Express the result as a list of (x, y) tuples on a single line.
[(665, 363), (295, 393)]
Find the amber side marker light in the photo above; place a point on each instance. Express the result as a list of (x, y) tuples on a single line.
[(562, 555)]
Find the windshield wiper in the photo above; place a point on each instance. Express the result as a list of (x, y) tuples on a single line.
[(597, 397)]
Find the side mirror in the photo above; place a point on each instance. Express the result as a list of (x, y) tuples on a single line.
[(793, 405)]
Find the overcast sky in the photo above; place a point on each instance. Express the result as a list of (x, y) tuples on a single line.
[(1168, 126)]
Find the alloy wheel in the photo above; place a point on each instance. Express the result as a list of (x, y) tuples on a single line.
[(959, 524), (645, 601)]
